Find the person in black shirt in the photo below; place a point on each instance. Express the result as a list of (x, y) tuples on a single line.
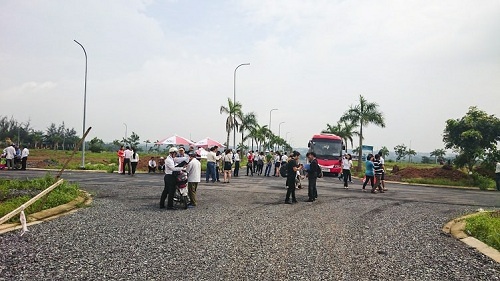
[(379, 171), (312, 175), (292, 168)]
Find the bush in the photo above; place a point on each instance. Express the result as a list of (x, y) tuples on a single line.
[(485, 227), (62, 194), (111, 169), (482, 182)]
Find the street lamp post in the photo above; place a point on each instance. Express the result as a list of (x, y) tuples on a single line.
[(84, 104), (234, 101), (279, 129), (270, 114), (126, 128)]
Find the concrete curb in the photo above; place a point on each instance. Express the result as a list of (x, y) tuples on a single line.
[(52, 213), (456, 229)]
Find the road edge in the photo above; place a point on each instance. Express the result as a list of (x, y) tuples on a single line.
[(84, 199), (456, 228)]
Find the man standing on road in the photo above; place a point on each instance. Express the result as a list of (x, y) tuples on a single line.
[(250, 158), (211, 160), (24, 157), (169, 180), (292, 168), (127, 154), (497, 174), (269, 164), (382, 177), (312, 176), (237, 163), (10, 153), (194, 176)]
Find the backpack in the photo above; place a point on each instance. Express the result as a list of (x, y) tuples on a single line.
[(284, 170), (319, 172)]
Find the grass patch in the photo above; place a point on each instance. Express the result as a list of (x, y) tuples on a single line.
[(439, 181), (14, 193), (485, 227)]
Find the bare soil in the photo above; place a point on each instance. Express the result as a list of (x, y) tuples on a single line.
[(428, 173)]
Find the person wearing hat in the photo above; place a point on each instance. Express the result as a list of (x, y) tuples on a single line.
[(169, 180), (193, 169), (292, 168)]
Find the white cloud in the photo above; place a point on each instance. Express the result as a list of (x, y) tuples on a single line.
[(166, 67)]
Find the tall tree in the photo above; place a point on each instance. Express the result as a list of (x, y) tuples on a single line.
[(473, 136), (410, 153), (438, 154), (384, 151), (233, 110), (248, 121), (401, 151), (343, 129), (363, 114)]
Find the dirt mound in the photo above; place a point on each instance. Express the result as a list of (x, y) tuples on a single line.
[(429, 173)]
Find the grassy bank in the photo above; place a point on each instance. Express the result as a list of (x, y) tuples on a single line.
[(14, 193), (485, 227)]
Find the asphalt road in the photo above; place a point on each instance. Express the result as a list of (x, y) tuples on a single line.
[(243, 231)]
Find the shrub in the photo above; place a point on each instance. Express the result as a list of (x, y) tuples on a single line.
[(485, 227), (482, 182)]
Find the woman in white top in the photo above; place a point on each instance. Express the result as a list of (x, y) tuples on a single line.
[(134, 160), (346, 169), (228, 164)]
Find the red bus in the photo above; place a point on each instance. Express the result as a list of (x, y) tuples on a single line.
[(328, 149)]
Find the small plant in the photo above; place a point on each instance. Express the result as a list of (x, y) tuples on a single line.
[(111, 169), (485, 227)]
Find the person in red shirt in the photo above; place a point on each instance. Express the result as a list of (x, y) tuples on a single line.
[(250, 158), (121, 155)]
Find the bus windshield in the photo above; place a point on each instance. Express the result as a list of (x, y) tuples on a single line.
[(326, 149)]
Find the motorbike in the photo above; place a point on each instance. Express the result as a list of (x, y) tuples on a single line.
[(181, 192)]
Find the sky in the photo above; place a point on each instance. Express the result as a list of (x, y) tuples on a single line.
[(166, 67)]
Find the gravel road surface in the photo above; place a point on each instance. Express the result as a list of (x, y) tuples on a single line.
[(243, 231)]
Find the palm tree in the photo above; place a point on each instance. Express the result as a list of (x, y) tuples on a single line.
[(344, 130), (438, 153), (259, 134), (362, 115), (248, 121), (233, 110)]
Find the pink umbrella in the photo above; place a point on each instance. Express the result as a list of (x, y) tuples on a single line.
[(175, 140), (208, 142)]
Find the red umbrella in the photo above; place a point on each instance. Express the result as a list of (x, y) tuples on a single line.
[(175, 140), (208, 142)]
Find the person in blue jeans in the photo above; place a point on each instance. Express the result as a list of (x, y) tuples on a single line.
[(211, 160), (369, 172)]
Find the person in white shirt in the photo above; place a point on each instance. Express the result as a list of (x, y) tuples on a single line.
[(152, 165), (382, 178), (181, 156), (228, 164), (10, 153), (170, 180), (346, 169), (497, 174), (194, 176), (24, 157), (211, 160), (127, 154), (134, 160), (237, 160), (284, 158)]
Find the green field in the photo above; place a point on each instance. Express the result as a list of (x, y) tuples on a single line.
[(14, 193)]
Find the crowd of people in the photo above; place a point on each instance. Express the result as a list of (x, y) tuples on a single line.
[(15, 157)]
